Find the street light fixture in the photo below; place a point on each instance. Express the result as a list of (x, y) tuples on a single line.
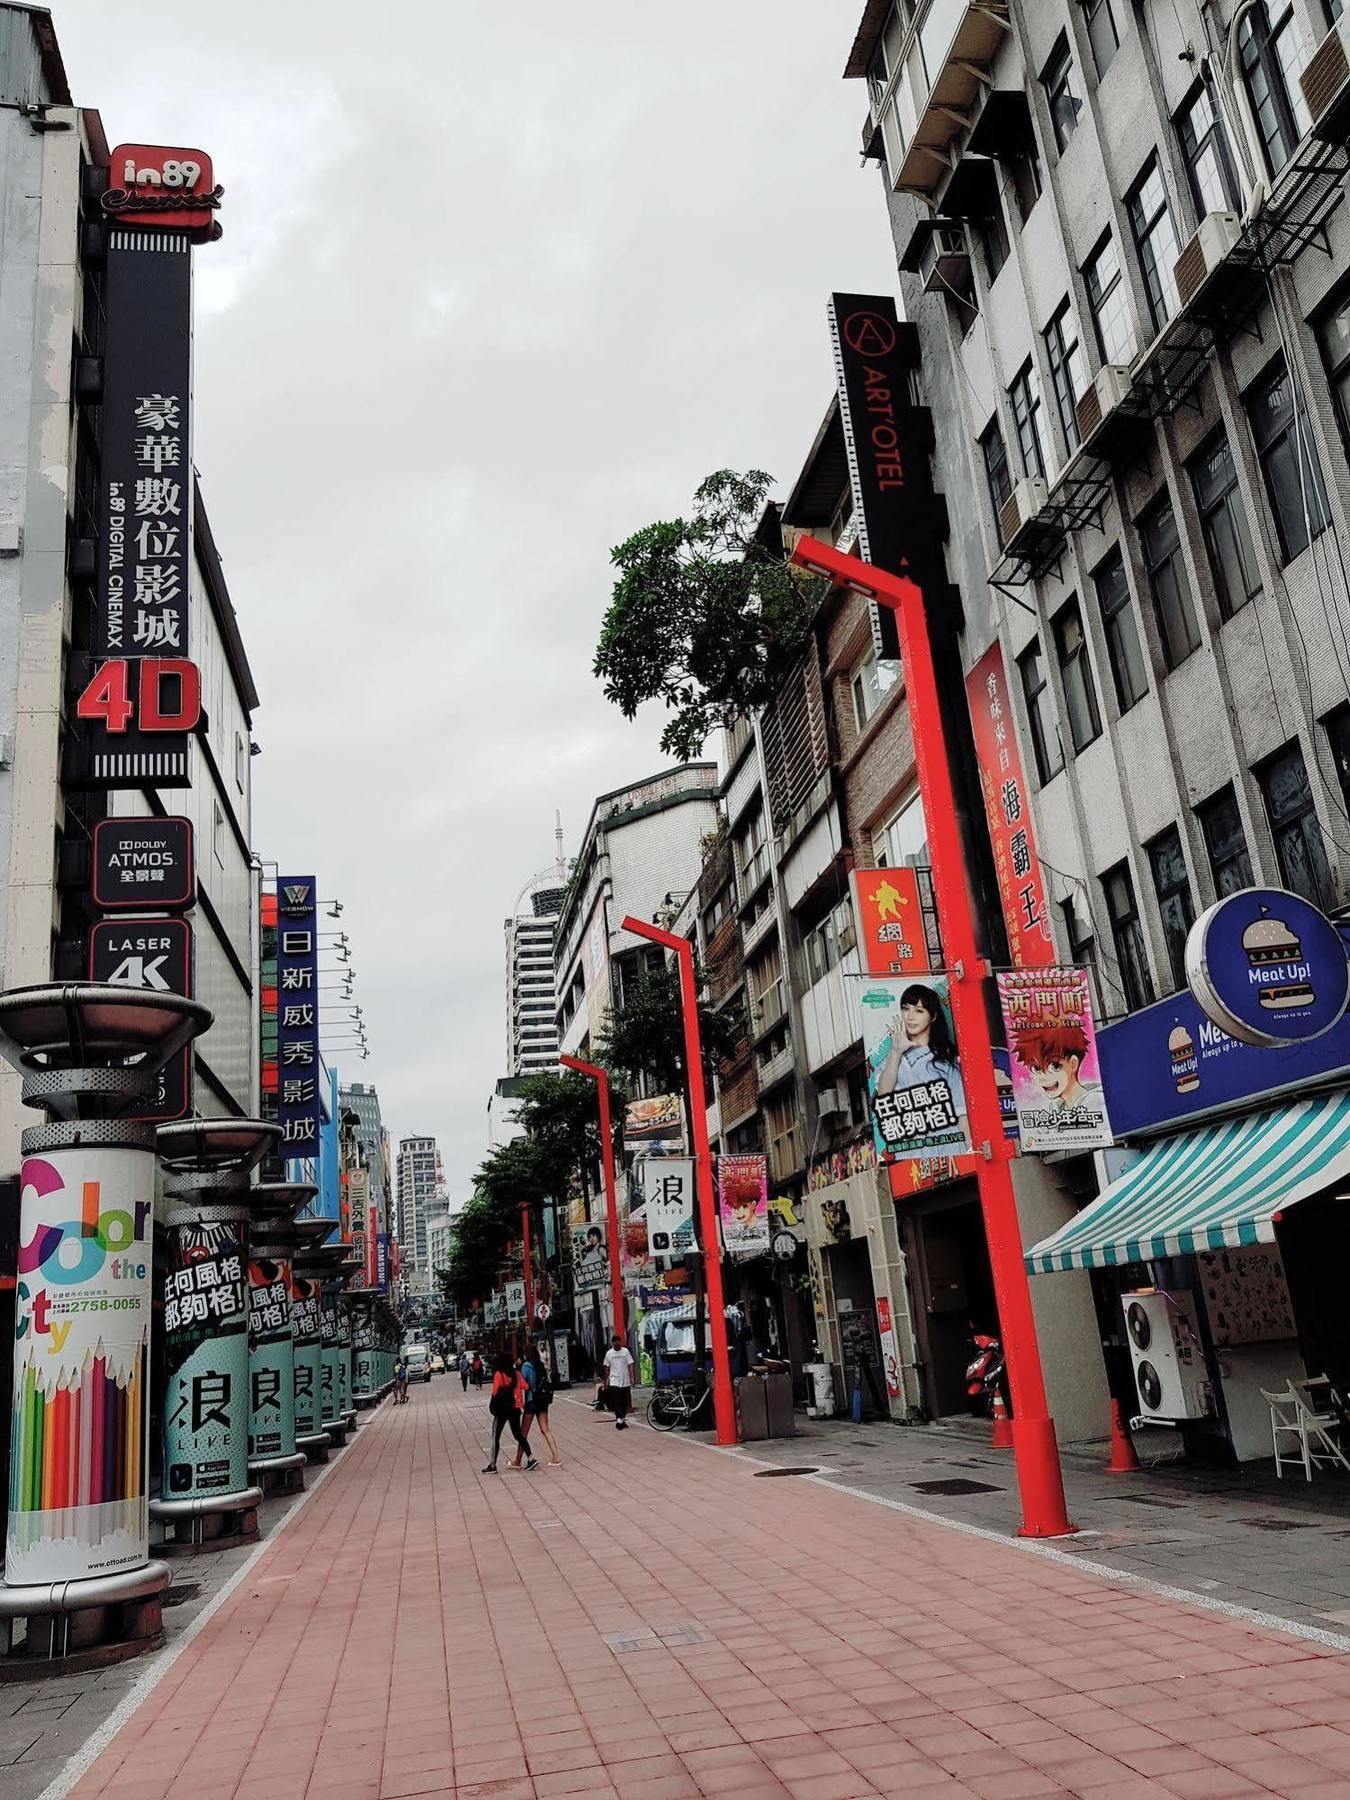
[(724, 1406), (601, 1080), (1039, 1476)]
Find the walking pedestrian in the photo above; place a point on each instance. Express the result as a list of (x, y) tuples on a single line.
[(476, 1369), (539, 1391), (504, 1411), (401, 1381), (465, 1365), (619, 1381)]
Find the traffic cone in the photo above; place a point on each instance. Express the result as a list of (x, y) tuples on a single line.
[(1123, 1459), (1003, 1434)]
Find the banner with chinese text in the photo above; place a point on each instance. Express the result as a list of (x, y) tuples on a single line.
[(1007, 807), (889, 917), (915, 1093), (743, 1203), (1052, 1047), (299, 1095)]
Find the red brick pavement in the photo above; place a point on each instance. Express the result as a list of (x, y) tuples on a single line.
[(653, 1621)]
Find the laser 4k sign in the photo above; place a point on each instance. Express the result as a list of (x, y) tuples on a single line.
[(154, 954)]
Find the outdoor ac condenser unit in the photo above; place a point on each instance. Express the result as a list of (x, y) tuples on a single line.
[(1109, 387), (1206, 254), (945, 259), (1170, 1376), (832, 1101), (1020, 510), (1326, 85)]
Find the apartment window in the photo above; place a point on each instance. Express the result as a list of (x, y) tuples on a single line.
[(993, 236), (1272, 56), (1204, 149), (1335, 334), (1103, 31), (1129, 671), (1225, 842), (1024, 171), (1167, 580), (996, 472), (1078, 932), (1289, 464), (1136, 984), (1299, 849), (1068, 371), (872, 680), (1075, 672), (752, 853), (240, 760), (903, 840), (1155, 238), (218, 833), (1061, 91), (1024, 396), (1110, 306), (1172, 885), (1338, 736), (1228, 540), (824, 944), (1036, 695)]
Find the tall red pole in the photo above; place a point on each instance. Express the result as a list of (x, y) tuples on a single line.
[(724, 1406), (601, 1080), (1039, 1476), (529, 1271)]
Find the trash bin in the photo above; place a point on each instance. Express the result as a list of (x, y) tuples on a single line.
[(752, 1410), (820, 1387), (778, 1398)]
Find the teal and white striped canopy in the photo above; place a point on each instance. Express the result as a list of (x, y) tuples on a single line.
[(1217, 1187)]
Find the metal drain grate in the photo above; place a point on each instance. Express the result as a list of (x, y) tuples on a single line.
[(661, 1637), (1277, 1524), (955, 1484), (766, 1474)]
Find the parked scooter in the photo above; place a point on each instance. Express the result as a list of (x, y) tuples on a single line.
[(984, 1374)]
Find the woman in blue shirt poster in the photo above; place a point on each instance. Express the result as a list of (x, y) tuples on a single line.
[(918, 1097)]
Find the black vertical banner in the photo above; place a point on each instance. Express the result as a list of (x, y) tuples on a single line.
[(145, 545), (887, 442)]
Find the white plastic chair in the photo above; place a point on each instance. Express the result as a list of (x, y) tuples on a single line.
[(1314, 1429)]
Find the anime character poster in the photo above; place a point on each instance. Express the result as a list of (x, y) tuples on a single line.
[(915, 1093), (743, 1203), (1052, 1050)]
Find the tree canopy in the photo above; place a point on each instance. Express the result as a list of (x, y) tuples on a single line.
[(703, 617), (645, 1033)]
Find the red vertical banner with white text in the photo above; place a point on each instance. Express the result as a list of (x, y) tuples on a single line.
[(1007, 807)]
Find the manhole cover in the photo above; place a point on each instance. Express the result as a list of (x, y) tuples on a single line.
[(1277, 1524), (955, 1484), (181, 1592), (765, 1474)]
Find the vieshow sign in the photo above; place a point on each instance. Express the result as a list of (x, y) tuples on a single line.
[(299, 1102)]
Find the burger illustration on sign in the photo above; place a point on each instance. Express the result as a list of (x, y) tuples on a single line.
[(1268, 968)]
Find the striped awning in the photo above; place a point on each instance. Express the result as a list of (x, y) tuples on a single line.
[(1217, 1187)]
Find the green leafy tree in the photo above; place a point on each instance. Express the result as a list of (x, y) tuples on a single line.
[(702, 616), (559, 1115), (645, 1034)]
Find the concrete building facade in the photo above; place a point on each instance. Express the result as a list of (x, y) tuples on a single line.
[(419, 1181), (362, 1099), (531, 993)]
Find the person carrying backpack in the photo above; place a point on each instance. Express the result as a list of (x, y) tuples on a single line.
[(539, 1385), (502, 1406)]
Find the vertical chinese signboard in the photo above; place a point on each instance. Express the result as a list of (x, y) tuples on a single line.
[(299, 1093), (889, 916), (1007, 807)]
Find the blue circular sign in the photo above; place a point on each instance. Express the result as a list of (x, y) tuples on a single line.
[(1268, 967)]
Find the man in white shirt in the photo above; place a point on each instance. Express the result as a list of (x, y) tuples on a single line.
[(619, 1381)]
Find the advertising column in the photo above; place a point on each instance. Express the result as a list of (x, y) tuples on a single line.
[(306, 1322), (206, 1353), (272, 1453)]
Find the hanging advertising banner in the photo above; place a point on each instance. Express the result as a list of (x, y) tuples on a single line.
[(515, 1301), (915, 1093), (79, 1457), (299, 1096), (1007, 809), (590, 1258), (154, 954), (382, 1261), (1268, 967), (271, 1358), (205, 1359), (889, 918), (654, 1127), (743, 1204), (664, 1186), (1052, 1048), (307, 1328), (372, 1271), (143, 862), (890, 1348)]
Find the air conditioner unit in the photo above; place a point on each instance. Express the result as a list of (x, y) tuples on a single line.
[(1170, 1375), (1020, 510), (944, 262), (1206, 254), (1109, 387), (831, 1101), (1326, 85)]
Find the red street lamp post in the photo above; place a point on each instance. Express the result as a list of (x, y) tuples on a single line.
[(601, 1080), (724, 1407), (1039, 1477)]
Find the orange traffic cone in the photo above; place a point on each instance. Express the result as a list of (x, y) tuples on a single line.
[(1003, 1434), (1123, 1459)]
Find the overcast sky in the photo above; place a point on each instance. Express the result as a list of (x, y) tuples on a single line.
[(499, 284)]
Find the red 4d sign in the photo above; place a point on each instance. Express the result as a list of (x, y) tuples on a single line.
[(149, 693), (164, 189)]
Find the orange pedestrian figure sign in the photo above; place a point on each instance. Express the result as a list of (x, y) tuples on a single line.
[(891, 937)]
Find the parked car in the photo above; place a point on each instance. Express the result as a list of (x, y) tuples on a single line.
[(419, 1362), (437, 1363)]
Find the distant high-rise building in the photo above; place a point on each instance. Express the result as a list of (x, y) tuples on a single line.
[(374, 1140), (419, 1177), (531, 996)]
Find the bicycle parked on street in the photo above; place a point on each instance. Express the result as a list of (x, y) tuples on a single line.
[(676, 1404)]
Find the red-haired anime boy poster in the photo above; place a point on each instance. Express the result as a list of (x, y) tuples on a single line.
[(1052, 1054)]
